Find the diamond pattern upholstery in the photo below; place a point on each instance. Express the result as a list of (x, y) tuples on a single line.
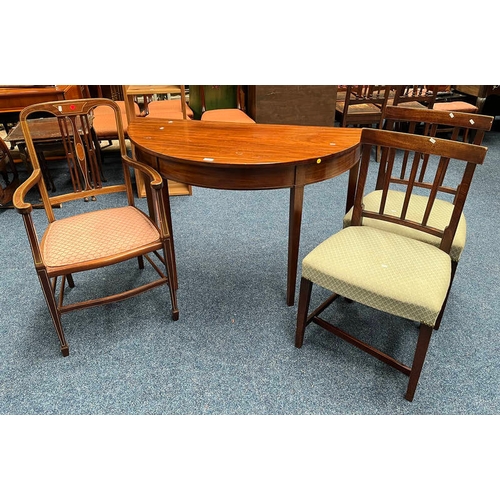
[(383, 270), (439, 218), (96, 235), (382, 263)]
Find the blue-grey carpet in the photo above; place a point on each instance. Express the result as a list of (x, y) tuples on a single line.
[(232, 350)]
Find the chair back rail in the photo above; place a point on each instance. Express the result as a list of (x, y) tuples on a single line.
[(425, 95), (442, 150), (460, 126)]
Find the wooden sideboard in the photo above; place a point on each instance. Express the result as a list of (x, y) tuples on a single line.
[(15, 98)]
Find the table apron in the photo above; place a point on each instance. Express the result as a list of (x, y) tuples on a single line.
[(249, 177)]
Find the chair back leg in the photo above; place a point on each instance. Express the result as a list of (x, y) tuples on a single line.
[(303, 308)]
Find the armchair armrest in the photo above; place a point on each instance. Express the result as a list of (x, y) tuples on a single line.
[(22, 206)]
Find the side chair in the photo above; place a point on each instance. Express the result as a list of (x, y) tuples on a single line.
[(384, 270), (93, 234), (225, 115), (413, 96), (363, 105), (177, 108), (396, 174)]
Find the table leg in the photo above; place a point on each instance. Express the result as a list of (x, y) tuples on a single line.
[(166, 201), (295, 219)]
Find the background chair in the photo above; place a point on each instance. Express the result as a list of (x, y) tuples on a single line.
[(174, 106), (104, 122), (389, 272), (362, 105), (396, 174), (131, 93), (86, 238), (425, 96), (9, 177), (413, 96), (225, 115)]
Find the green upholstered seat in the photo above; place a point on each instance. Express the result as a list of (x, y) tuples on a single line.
[(383, 270), (439, 218), (384, 257)]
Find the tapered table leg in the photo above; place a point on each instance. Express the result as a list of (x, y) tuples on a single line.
[(295, 220)]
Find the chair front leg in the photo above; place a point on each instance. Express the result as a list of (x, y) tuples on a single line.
[(424, 338), (303, 308), (48, 293)]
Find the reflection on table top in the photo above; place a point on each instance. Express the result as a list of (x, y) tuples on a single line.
[(240, 143)]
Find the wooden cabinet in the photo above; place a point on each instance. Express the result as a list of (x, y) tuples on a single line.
[(15, 98), (292, 104)]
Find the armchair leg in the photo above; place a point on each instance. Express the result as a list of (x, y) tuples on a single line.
[(69, 278), (54, 312), (424, 338), (168, 253), (303, 307)]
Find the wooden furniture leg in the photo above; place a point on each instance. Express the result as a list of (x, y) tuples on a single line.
[(295, 220)]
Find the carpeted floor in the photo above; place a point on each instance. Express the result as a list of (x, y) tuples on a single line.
[(232, 350)]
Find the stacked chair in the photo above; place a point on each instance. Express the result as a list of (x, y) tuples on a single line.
[(430, 123), (400, 244), (87, 237)]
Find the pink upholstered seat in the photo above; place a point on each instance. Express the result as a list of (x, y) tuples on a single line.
[(96, 237), (169, 108), (457, 106), (77, 241), (226, 115)]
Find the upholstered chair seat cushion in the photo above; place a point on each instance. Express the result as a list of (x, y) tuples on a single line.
[(439, 218), (169, 108), (226, 115), (457, 106), (408, 104), (85, 238), (383, 270), (363, 108)]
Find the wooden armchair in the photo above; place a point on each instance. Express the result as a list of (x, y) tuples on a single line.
[(97, 234)]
